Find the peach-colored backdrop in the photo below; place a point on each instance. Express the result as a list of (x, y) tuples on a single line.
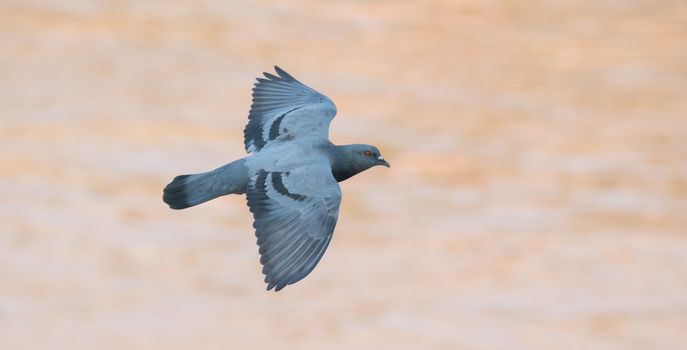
[(537, 199)]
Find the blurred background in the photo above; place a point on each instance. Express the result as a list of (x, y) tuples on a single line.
[(537, 199)]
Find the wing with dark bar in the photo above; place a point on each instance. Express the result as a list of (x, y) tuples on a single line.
[(283, 105), (294, 218)]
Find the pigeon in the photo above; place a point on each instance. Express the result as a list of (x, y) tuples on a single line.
[(290, 176)]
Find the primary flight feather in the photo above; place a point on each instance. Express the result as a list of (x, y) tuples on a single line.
[(290, 177)]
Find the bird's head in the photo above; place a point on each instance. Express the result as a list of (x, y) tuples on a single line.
[(368, 156), (353, 159)]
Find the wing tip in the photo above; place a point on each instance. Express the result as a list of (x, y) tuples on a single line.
[(277, 286), (283, 74), (270, 76)]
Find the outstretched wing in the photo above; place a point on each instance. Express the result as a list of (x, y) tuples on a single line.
[(294, 218), (284, 106)]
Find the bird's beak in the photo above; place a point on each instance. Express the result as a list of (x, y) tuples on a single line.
[(383, 162)]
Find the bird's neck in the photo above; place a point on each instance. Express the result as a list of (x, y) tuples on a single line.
[(343, 164)]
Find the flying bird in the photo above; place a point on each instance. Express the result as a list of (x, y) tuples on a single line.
[(290, 176)]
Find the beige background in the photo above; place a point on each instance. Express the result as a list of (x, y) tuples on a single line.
[(537, 200)]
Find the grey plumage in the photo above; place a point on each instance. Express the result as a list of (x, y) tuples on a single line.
[(290, 179), (188, 190), (293, 225), (284, 105)]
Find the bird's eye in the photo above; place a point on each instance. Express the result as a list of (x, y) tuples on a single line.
[(367, 154)]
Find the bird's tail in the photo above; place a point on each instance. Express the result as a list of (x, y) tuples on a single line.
[(188, 190)]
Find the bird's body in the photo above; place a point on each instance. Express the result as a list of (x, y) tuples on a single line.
[(290, 178), (284, 156)]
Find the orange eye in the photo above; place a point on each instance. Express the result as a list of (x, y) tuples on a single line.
[(367, 154)]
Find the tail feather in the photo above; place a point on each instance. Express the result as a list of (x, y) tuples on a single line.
[(186, 191), (189, 190)]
